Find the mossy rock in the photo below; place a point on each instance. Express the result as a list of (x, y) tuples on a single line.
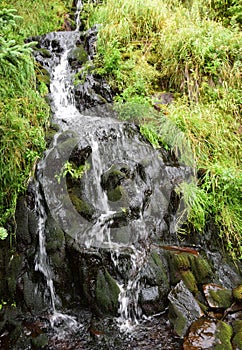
[(182, 262), (107, 293), (223, 336), (190, 281), (200, 268), (158, 269), (112, 178), (115, 194), (55, 237), (237, 293), (44, 52), (82, 207), (222, 297), (237, 339), (79, 55), (217, 296), (177, 263)]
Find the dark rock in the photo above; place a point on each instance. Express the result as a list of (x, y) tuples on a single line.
[(183, 309), (107, 292), (40, 341)]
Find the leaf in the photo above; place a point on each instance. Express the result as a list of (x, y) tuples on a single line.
[(3, 233)]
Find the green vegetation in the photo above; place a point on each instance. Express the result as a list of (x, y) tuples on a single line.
[(191, 50), (23, 111), (74, 171)]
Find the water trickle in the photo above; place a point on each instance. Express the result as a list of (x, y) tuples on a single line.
[(78, 14), (58, 320)]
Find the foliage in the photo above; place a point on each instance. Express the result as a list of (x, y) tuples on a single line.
[(38, 17), (192, 50), (23, 111), (3, 233), (73, 171)]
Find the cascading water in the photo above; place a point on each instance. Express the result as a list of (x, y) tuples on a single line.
[(65, 112), (116, 205)]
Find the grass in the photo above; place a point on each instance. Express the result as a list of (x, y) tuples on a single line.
[(24, 112), (192, 50)]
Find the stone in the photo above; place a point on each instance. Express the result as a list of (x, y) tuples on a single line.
[(237, 293), (217, 296), (208, 334), (40, 341), (107, 292), (237, 339), (183, 308)]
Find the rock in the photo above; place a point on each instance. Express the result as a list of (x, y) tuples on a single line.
[(217, 296), (237, 339), (237, 293), (183, 308), (40, 341), (107, 292), (208, 334), (153, 297)]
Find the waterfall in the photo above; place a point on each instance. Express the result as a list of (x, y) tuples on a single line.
[(117, 203)]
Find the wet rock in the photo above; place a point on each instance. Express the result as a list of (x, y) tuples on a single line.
[(183, 308), (39, 342), (21, 215), (13, 272), (208, 334), (78, 56), (107, 292), (190, 281), (217, 296), (201, 269), (153, 297)]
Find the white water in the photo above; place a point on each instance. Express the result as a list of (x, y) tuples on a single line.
[(42, 264), (78, 14)]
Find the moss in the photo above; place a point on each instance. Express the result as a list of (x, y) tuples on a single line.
[(200, 268), (223, 335), (107, 292), (115, 194), (182, 262), (79, 54), (44, 52), (237, 326), (223, 297), (237, 339), (83, 207), (111, 179), (178, 319), (177, 263), (190, 281), (237, 293), (159, 269)]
